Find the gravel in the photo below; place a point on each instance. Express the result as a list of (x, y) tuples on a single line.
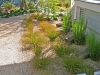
[(13, 60)]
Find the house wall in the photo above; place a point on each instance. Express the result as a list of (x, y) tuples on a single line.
[(91, 14)]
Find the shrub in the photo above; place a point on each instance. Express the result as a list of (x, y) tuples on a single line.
[(8, 5), (76, 65), (93, 44), (41, 63), (78, 29), (66, 23)]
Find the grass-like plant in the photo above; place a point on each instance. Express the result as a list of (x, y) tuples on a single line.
[(62, 49), (37, 39), (66, 23), (93, 43), (41, 63), (78, 29), (76, 65), (49, 30)]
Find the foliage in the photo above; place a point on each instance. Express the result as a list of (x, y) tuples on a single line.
[(78, 29), (41, 63), (49, 29), (67, 4), (66, 22), (55, 18), (8, 5), (48, 6), (62, 49), (76, 65), (37, 51), (28, 23), (52, 34), (93, 46), (40, 18), (30, 4)]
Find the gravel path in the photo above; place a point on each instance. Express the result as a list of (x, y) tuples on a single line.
[(13, 60)]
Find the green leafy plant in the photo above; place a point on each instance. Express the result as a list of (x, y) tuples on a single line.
[(48, 6), (8, 5), (78, 29), (55, 18), (41, 63), (66, 22), (93, 43), (76, 65)]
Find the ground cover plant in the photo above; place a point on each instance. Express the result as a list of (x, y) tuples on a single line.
[(93, 43)]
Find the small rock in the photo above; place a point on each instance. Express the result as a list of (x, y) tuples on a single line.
[(59, 24)]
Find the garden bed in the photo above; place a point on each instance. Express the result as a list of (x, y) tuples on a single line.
[(49, 47)]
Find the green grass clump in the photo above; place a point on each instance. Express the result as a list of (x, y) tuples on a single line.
[(79, 29), (62, 49), (41, 63), (93, 44), (66, 23), (76, 65)]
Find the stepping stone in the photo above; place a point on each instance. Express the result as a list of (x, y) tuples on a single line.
[(97, 73), (81, 74)]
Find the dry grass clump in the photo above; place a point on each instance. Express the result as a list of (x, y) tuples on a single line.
[(35, 15), (35, 40), (49, 29)]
